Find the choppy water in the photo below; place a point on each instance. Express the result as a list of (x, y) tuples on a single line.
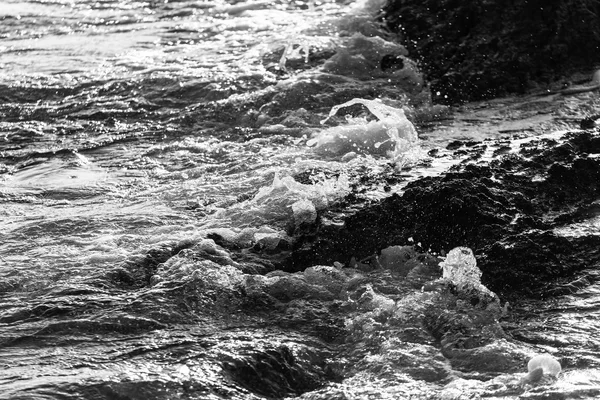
[(132, 133)]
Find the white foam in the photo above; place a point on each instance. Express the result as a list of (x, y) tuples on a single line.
[(392, 134)]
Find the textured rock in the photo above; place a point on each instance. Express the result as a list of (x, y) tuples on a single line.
[(498, 210), (484, 48)]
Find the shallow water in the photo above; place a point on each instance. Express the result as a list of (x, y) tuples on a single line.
[(132, 133)]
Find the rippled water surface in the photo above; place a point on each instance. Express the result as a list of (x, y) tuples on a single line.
[(155, 162)]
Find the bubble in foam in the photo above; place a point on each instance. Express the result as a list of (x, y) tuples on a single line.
[(547, 363)]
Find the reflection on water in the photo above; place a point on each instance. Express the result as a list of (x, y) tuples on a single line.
[(584, 228)]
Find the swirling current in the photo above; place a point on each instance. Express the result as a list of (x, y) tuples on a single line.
[(171, 173)]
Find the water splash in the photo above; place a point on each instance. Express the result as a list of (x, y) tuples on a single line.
[(392, 134)]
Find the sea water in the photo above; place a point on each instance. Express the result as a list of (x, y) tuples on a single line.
[(134, 133)]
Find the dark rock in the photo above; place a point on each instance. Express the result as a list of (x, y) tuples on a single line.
[(534, 260), (441, 213), (499, 211), (485, 48), (391, 62), (590, 122), (454, 145)]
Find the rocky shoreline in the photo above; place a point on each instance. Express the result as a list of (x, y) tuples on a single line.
[(505, 210), (190, 275)]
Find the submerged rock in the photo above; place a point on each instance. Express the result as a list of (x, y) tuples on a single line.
[(396, 259)]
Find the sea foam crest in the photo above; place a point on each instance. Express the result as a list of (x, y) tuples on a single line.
[(392, 134), (286, 199), (460, 267)]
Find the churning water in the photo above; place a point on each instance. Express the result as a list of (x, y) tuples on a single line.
[(156, 158)]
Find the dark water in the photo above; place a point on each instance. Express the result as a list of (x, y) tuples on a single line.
[(155, 160)]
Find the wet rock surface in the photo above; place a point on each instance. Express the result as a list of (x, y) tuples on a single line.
[(506, 211), (469, 55)]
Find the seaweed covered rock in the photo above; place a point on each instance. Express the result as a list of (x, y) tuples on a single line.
[(484, 48)]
